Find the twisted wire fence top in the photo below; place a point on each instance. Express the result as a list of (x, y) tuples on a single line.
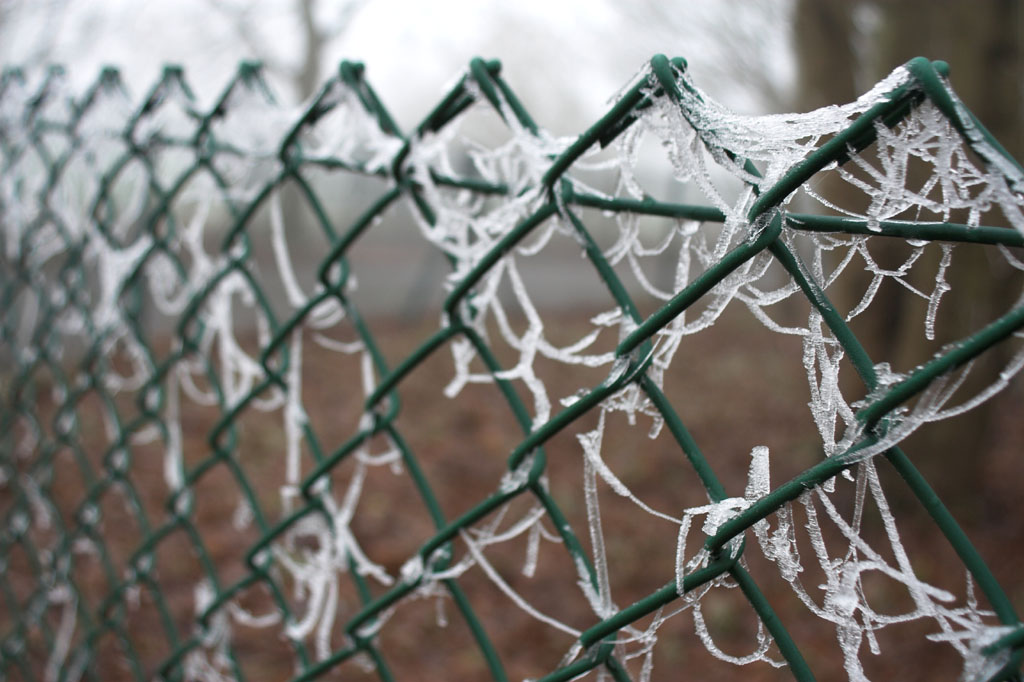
[(158, 334)]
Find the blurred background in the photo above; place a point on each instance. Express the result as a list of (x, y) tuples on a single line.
[(566, 60), (774, 55), (584, 51)]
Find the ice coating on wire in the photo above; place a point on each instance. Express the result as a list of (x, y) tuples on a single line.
[(133, 216)]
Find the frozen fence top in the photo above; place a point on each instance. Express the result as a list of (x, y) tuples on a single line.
[(160, 315)]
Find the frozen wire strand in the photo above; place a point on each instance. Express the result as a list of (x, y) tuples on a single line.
[(518, 163), (186, 370), (38, 505), (346, 347), (64, 596), (1011, 260), (532, 550), (462, 355), (428, 579), (134, 206), (941, 287), (591, 445), (715, 515), (392, 456), (601, 603), (644, 281), (197, 666), (546, 232), (174, 455), (296, 296), (827, 405), (325, 314), (776, 139), (1012, 369), (524, 368), (339, 535), (323, 631), (530, 522), (294, 420), (213, 638), (858, 546), (920, 592), (500, 583), (628, 234), (121, 344), (114, 266), (878, 277), (827, 565), (342, 515), (759, 654), (671, 230), (201, 269), (347, 131), (567, 354), (686, 150), (975, 634), (928, 405), (756, 305), (315, 582)]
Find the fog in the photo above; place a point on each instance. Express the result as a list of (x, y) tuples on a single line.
[(566, 59)]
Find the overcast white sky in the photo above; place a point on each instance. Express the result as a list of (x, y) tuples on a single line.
[(565, 58)]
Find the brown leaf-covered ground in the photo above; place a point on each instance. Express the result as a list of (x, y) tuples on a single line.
[(735, 386)]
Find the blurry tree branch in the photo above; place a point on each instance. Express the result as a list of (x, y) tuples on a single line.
[(743, 43), (18, 15), (249, 22)]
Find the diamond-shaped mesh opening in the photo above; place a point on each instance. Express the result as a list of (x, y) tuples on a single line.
[(294, 394)]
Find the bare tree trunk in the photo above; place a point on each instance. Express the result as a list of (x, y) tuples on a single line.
[(983, 44), (307, 77), (825, 36)]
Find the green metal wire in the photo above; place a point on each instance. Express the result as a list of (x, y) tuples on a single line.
[(36, 356)]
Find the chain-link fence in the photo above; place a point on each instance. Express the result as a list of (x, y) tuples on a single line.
[(206, 437)]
